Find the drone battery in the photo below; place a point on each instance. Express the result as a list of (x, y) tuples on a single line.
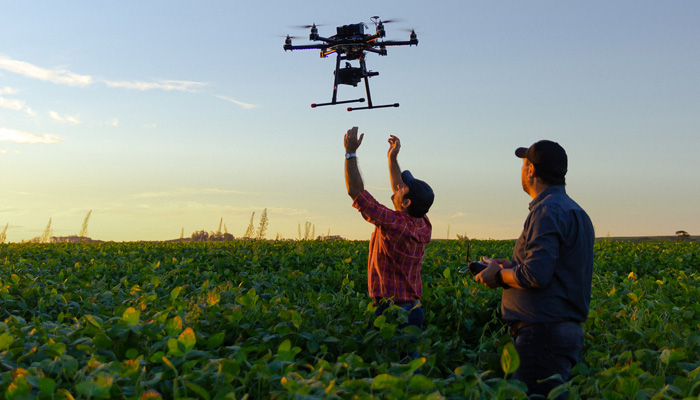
[(350, 30), (349, 76)]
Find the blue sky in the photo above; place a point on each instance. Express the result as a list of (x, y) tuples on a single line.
[(167, 116)]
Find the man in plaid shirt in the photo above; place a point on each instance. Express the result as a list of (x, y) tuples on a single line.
[(397, 245)]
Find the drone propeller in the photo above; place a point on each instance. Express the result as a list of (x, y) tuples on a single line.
[(377, 20), (307, 26)]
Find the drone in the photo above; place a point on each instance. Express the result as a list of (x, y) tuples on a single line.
[(351, 43)]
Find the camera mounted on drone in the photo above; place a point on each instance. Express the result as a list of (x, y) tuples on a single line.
[(352, 43)]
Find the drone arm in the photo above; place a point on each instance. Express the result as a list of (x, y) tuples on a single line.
[(327, 40), (381, 52), (305, 47), (401, 43)]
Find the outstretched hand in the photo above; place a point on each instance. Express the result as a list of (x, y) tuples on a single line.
[(394, 146), (352, 142)]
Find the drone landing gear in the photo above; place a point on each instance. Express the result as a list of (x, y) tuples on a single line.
[(360, 100), (352, 76)]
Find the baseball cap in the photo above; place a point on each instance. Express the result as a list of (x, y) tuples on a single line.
[(419, 192), (549, 158)]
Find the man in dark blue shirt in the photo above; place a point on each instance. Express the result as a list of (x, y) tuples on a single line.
[(547, 285)]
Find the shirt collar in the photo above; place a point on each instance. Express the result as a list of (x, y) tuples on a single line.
[(547, 192)]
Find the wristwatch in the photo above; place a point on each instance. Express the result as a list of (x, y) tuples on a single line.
[(350, 155), (499, 280)]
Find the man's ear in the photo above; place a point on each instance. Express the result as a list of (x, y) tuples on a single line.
[(406, 203), (531, 170)]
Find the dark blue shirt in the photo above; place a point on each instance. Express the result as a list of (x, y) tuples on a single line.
[(552, 261)]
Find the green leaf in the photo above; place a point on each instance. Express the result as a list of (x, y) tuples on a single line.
[(386, 381), (132, 353), (285, 351), (56, 349), (169, 364), (446, 273), (88, 389), (174, 326), (95, 321), (131, 316), (379, 321), (188, 339), (47, 385), (673, 355), (174, 348), (175, 292), (510, 360), (629, 386), (230, 367), (6, 340), (198, 389), (465, 370), (387, 330), (285, 346), (215, 340), (421, 382), (416, 363), (98, 387), (102, 341)]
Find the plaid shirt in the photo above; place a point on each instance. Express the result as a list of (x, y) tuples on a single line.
[(396, 250)]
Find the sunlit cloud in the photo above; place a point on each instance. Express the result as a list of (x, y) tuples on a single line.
[(236, 102), (187, 192), (63, 76), (57, 75), (15, 136), (12, 104), (184, 86), (115, 122), (63, 118), (458, 215), (7, 90)]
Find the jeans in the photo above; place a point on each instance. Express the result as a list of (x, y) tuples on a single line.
[(415, 317), (547, 349)]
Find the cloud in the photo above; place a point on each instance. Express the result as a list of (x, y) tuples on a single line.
[(61, 76), (65, 77), (7, 90), (184, 86), (186, 192), (458, 214), (11, 104), (236, 102), (66, 118), (14, 104), (114, 122), (11, 135)]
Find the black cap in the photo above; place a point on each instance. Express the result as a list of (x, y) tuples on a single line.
[(420, 194), (549, 158)]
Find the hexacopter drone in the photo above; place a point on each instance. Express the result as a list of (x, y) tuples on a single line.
[(350, 43)]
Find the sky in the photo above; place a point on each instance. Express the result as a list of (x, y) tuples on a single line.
[(168, 117)]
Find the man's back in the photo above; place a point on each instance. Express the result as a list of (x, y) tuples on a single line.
[(553, 262)]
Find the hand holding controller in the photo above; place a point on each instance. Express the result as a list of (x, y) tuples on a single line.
[(475, 267)]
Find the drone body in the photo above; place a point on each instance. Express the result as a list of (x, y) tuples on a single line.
[(352, 43)]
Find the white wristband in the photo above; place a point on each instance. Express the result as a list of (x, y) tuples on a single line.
[(350, 155)]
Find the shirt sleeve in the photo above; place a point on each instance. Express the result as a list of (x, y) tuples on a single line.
[(374, 212), (542, 250)]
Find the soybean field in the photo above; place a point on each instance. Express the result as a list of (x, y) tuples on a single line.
[(255, 319)]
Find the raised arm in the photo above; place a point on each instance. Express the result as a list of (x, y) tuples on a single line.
[(394, 170), (353, 178)]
